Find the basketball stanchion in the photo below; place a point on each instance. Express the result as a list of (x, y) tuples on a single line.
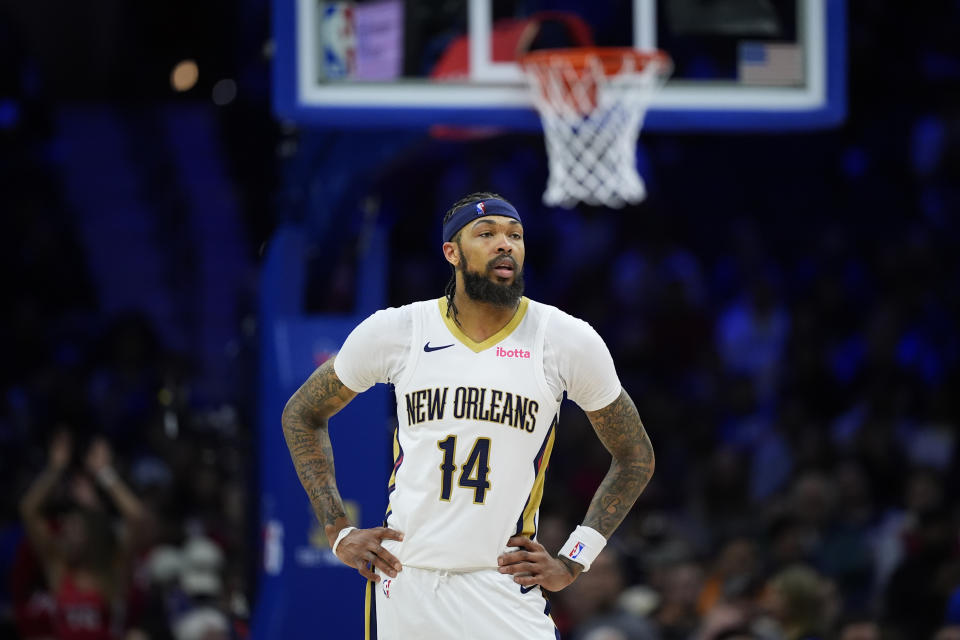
[(592, 102)]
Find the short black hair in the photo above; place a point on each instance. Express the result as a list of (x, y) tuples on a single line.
[(451, 287)]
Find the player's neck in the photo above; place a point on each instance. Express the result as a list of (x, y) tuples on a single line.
[(480, 320)]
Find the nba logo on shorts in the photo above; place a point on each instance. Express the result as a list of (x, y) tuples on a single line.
[(386, 587), (577, 548), (481, 209)]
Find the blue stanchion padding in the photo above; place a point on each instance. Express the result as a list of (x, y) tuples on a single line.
[(304, 585), (303, 591)]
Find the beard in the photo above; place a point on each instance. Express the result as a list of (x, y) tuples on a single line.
[(480, 287)]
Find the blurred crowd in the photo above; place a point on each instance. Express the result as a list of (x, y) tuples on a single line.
[(125, 513)]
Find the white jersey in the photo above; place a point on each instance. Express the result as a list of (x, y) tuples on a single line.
[(476, 421)]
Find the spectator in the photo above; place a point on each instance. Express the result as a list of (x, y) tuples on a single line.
[(736, 567), (845, 553), (87, 568), (898, 527), (797, 604), (859, 627), (752, 334), (164, 565), (677, 617), (916, 597), (594, 605), (951, 632)]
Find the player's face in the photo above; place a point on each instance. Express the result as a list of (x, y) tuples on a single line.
[(496, 243)]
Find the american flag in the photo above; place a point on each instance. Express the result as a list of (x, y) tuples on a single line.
[(771, 63)]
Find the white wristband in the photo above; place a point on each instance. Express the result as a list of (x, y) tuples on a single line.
[(340, 536), (583, 546)]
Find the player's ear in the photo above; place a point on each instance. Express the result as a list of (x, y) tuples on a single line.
[(450, 253)]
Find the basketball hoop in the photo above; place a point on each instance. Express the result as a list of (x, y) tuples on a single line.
[(592, 101)]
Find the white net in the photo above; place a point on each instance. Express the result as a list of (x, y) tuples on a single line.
[(592, 106)]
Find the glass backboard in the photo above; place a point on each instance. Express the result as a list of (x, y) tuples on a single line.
[(738, 64)]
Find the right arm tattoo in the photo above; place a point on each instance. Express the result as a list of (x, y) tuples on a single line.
[(305, 429)]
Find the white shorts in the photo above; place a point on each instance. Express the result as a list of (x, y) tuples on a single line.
[(425, 604)]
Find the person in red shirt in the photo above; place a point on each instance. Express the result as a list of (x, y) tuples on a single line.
[(85, 564)]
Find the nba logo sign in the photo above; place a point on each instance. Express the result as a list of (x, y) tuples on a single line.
[(337, 31), (386, 587), (577, 548), (481, 209)]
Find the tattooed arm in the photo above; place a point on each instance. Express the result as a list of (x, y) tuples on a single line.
[(621, 432), (619, 428), (305, 428)]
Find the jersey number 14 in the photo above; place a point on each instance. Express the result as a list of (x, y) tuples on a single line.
[(473, 473)]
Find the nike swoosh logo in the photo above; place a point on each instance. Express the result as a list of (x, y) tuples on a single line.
[(527, 589), (428, 348)]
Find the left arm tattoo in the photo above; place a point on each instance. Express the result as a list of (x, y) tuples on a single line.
[(621, 432)]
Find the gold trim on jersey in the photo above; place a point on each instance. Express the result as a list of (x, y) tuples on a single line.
[(396, 457), (477, 347), (392, 482), (536, 493)]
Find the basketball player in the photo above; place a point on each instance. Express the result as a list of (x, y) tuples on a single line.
[(479, 376)]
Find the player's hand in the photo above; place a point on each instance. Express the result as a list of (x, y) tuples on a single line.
[(531, 564), (361, 549)]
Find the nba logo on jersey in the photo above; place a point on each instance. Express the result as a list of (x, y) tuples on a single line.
[(481, 210), (577, 548), (386, 587)]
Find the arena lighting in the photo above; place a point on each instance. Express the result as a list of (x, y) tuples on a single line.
[(184, 75), (224, 92)]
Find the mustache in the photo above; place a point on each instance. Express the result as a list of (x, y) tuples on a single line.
[(499, 260)]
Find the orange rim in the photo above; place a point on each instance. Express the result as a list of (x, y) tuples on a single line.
[(610, 57)]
